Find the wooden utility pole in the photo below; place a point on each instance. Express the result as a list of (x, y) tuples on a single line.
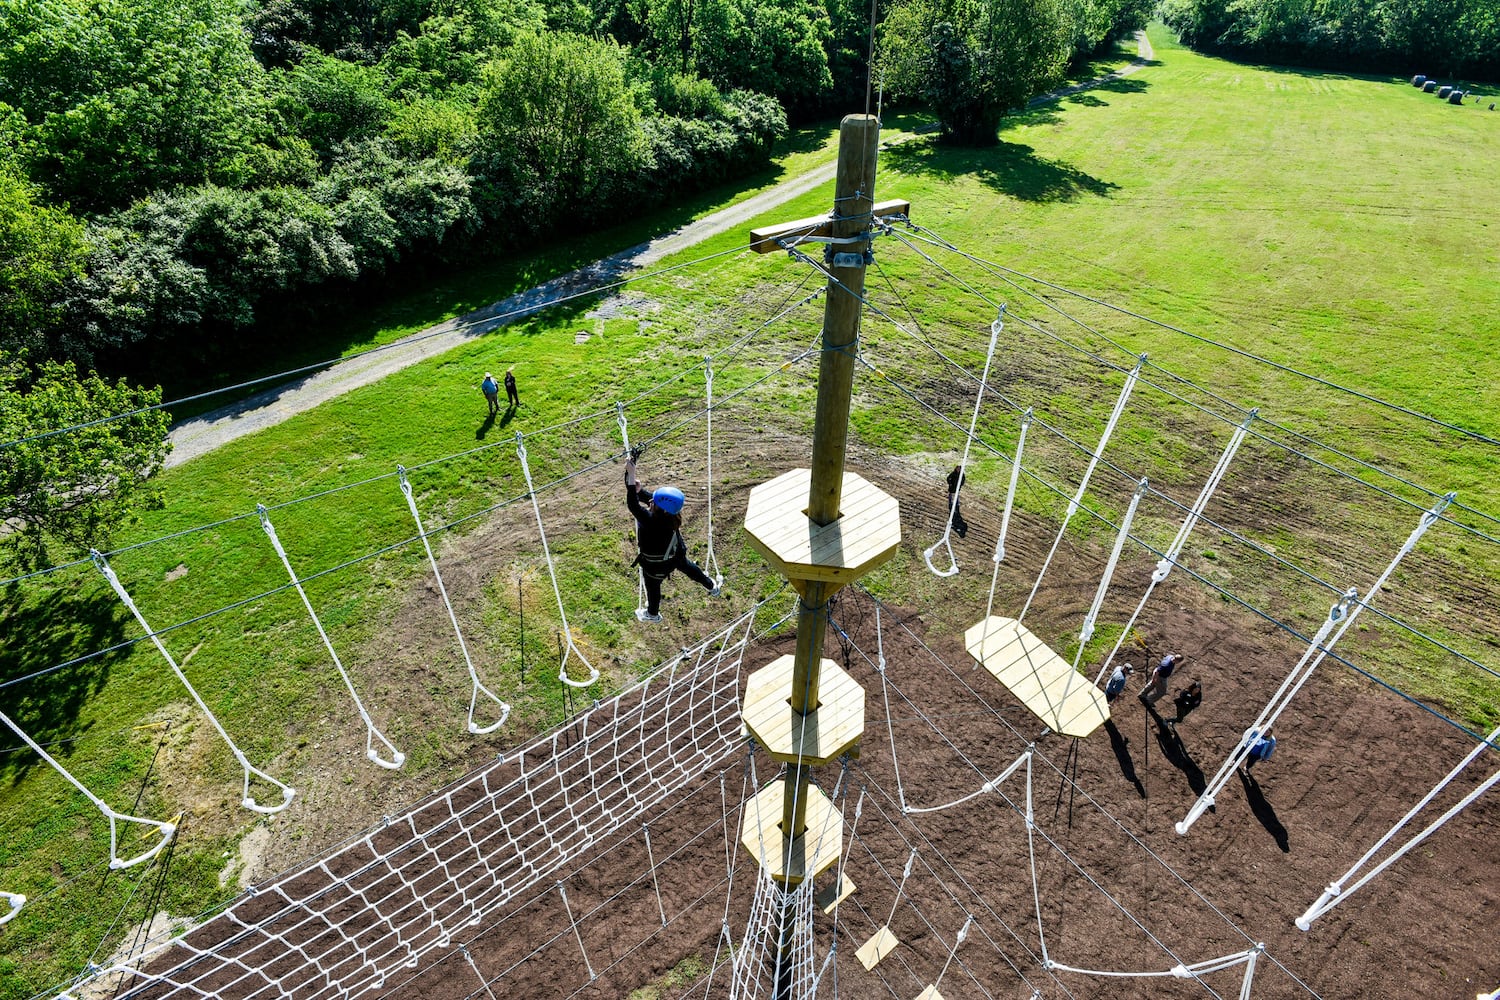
[(822, 528)]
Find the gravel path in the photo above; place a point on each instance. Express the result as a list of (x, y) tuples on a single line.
[(202, 434)]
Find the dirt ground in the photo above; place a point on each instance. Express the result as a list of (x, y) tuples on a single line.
[(1118, 890)]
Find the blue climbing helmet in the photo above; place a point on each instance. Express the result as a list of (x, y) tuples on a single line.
[(668, 499)]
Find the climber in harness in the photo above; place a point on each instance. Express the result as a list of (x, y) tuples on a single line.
[(658, 534)]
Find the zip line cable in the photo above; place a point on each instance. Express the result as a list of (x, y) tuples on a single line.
[(945, 244), (1241, 410)]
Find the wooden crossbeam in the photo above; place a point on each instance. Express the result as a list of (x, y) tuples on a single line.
[(763, 240)]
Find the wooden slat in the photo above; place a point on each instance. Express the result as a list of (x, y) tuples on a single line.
[(763, 240), (1063, 699)]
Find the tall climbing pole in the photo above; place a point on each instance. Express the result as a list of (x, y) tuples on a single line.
[(821, 528)]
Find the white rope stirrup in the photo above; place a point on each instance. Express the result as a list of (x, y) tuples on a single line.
[(166, 830), (1010, 499), (963, 463), (247, 800), (478, 686), (397, 758), (1083, 484), (711, 561), (1342, 615), (16, 901), (640, 586), (562, 668), (1166, 562), (1337, 893), (1196, 970)]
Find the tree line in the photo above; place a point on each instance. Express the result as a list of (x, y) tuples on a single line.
[(1433, 37)]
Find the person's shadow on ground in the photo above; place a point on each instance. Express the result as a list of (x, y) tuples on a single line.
[(1177, 755), (507, 416), (484, 428), (1121, 747), (1263, 810)]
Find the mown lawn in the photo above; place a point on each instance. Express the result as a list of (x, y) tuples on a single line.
[(1329, 223)]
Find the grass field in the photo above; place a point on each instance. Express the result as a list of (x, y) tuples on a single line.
[(1329, 223)]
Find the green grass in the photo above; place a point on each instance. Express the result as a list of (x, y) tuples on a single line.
[(1331, 223)]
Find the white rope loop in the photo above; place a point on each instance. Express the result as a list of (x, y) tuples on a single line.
[(572, 647), (116, 863), (16, 901), (246, 799), (710, 559), (946, 540), (478, 686), (372, 732), (1083, 484)]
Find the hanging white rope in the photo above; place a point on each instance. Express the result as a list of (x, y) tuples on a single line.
[(372, 733), (572, 647), (963, 464), (165, 830), (1010, 499), (478, 687), (1341, 615), (640, 574), (711, 561), (247, 800), (989, 786), (15, 900), (1166, 562), (963, 932), (1083, 484), (1336, 892), (1086, 632)]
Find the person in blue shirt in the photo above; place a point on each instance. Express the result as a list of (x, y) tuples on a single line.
[(1116, 682), (658, 523), (1261, 746), (491, 390), (1158, 686)]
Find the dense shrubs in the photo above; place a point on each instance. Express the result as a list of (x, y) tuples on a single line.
[(1397, 36)]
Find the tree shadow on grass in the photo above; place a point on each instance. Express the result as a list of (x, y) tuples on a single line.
[(62, 626), (1008, 168)]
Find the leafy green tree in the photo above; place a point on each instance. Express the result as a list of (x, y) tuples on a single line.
[(65, 493), (558, 124), (42, 250), (123, 97), (334, 102), (973, 61)]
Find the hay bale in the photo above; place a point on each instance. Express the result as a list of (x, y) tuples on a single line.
[(1429, 86), (1457, 97), (1443, 93), (1418, 80)]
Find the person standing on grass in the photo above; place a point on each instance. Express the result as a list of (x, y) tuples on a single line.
[(491, 390), (658, 524), (1187, 699), (1116, 683), (512, 397), (1157, 687)]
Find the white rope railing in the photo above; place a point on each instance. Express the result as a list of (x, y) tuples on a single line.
[(1336, 892), (567, 631), (1174, 551), (1341, 615), (963, 464), (1010, 500), (711, 561), (1083, 484), (372, 732), (249, 770), (477, 686)]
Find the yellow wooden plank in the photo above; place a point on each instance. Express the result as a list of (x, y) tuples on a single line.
[(930, 993), (872, 951), (834, 893)]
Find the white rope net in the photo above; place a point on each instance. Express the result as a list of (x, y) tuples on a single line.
[(775, 958), (345, 923)]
